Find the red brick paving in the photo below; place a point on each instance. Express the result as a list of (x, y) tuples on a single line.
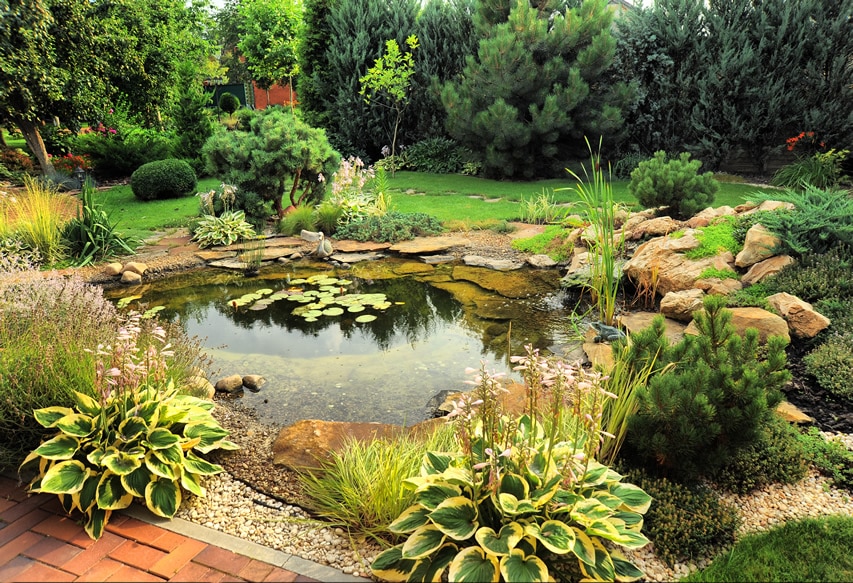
[(39, 543)]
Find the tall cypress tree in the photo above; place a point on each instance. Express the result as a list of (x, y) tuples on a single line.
[(532, 93), (445, 30), (313, 61)]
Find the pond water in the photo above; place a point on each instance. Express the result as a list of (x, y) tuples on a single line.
[(337, 362)]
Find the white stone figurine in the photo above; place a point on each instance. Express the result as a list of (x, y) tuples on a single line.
[(324, 246)]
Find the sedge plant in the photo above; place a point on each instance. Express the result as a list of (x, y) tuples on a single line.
[(596, 200), (40, 218)]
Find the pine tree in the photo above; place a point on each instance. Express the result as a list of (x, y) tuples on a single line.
[(313, 61), (716, 400), (531, 94)]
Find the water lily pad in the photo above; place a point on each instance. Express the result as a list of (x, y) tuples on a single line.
[(310, 319), (365, 318), (264, 292), (312, 314), (355, 308), (298, 281), (333, 312)]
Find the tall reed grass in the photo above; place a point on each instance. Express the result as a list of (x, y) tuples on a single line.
[(39, 217)]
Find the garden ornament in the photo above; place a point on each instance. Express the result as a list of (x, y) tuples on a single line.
[(324, 246), (606, 333)]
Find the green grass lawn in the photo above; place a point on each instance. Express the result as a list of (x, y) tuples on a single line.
[(14, 142)]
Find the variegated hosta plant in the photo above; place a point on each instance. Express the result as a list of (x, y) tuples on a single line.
[(517, 498), (141, 439)]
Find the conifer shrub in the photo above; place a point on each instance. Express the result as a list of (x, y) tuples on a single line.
[(831, 364), (169, 178), (817, 276), (684, 522), (776, 457), (391, 227), (438, 155), (674, 183), (829, 456), (716, 400)]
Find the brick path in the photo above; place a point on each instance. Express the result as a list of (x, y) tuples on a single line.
[(39, 542)]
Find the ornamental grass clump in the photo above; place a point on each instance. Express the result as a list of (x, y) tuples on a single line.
[(524, 493), (137, 438)]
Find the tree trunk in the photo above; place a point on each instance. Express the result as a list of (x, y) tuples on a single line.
[(35, 143)]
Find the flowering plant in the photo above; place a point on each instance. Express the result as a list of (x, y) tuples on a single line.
[(349, 194), (805, 137), (71, 162), (522, 490)]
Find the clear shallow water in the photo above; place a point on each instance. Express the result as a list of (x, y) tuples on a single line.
[(338, 369)]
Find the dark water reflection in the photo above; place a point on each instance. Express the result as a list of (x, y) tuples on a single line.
[(338, 369)]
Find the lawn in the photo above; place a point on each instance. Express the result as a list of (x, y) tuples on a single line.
[(460, 201)]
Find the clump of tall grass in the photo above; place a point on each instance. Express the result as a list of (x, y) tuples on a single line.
[(40, 218), (361, 487)]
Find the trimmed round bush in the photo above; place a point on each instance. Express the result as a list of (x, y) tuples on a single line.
[(170, 178), (674, 183)]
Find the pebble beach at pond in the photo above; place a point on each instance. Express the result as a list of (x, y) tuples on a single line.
[(234, 507)]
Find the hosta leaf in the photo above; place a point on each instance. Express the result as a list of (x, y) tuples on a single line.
[(96, 521), (500, 543), (432, 569), (163, 498), (390, 565), (210, 434), (121, 463), (603, 529), (410, 519), (520, 567), (436, 462), (48, 416), (423, 542), (630, 539), (456, 517), (626, 571), (131, 428), (583, 548), (149, 412), (596, 474), (111, 494), (515, 485), (161, 468), (473, 565), (61, 447), (86, 404), (65, 477), (557, 536), (171, 455), (432, 494), (191, 483), (510, 505), (602, 568), (632, 496), (197, 465), (589, 510), (136, 481)]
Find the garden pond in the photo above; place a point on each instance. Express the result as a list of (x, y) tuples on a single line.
[(379, 341)]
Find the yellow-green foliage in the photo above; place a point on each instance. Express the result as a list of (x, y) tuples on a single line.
[(552, 242), (40, 218), (714, 239)]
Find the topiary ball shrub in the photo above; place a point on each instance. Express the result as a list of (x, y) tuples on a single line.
[(170, 178), (675, 184)]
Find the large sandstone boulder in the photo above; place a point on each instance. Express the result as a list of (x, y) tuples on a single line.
[(767, 323), (680, 305), (803, 320), (766, 268), (229, 384), (636, 321), (660, 264), (759, 244)]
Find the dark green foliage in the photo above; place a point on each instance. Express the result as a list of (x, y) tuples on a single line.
[(721, 77), (776, 457), (445, 30), (170, 178), (741, 224), (191, 118), (14, 164), (626, 164), (358, 31), (831, 458), (753, 296), (118, 155), (91, 235), (526, 101), (229, 103), (313, 61), (57, 140), (817, 276), (831, 364), (684, 522), (820, 219), (436, 155), (271, 154), (839, 310), (302, 217), (717, 399), (391, 227), (674, 183)]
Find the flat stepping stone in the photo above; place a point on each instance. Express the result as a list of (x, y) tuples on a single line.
[(350, 246), (421, 245), (356, 257)]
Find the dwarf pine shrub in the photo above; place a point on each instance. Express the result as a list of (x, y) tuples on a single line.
[(674, 183)]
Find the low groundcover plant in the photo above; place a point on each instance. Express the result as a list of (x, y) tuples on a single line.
[(523, 491), (139, 439)]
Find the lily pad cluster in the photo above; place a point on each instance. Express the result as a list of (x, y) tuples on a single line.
[(328, 299)]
